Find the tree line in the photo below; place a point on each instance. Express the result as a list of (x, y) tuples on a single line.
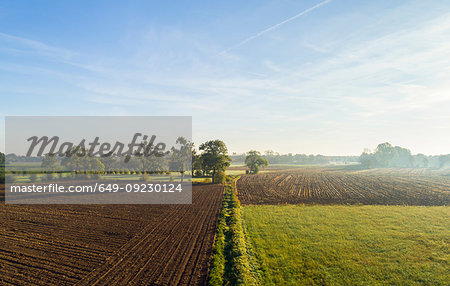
[(297, 159), (388, 156), (210, 161)]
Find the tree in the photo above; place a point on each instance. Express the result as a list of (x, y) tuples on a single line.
[(214, 157), (108, 160), (49, 162), (219, 177), (78, 160), (96, 166), (443, 160), (196, 162), (402, 157), (385, 154), (367, 160), (254, 161), (148, 159), (75, 159), (179, 160)]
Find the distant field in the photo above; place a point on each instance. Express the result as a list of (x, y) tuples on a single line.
[(349, 245), (335, 185)]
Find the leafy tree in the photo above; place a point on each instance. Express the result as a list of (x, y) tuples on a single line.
[(367, 160), (78, 160), (147, 160), (214, 157), (402, 157), (385, 154), (420, 160), (254, 161), (444, 160), (96, 166), (219, 177), (75, 159), (108, 161), (179, 160), (49, 162), (196, 168)]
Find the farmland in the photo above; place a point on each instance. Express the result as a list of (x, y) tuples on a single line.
[(108, 244), (341, 186), (349, 245), (347, 226)]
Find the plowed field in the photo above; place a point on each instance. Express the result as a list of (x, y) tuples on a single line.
[(109, 244), (328, 186)]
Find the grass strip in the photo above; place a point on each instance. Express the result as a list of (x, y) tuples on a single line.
[(229, 262)]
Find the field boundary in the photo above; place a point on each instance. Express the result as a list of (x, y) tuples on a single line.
[(229, 261)]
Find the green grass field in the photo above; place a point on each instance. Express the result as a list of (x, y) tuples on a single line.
[(349, 245)]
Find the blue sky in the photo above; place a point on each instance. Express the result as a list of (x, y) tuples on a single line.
[(342, 77)]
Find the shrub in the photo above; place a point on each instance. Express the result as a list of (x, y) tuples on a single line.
[(198, 173), (219, 177)]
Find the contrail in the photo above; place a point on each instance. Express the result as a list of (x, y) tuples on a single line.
[(276, 26)]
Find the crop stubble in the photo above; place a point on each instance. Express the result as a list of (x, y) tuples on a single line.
[(323, 186)]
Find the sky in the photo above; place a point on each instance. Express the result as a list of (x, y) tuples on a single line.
[(312, 77)]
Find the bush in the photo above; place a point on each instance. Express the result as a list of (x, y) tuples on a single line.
[(219, 177), (198, 173), (230, 178)]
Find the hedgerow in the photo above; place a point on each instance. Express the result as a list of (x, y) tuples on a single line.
[(229, 262)]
